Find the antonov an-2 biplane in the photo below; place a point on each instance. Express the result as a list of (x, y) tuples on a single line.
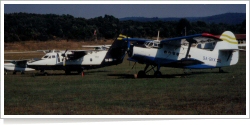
[(199, 51), (73, 60)]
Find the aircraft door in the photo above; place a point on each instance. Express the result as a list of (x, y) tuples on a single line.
[(57, 58)]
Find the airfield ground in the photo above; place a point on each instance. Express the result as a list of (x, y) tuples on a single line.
[(114, 91)]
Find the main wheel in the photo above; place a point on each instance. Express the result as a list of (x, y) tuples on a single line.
[(221, 70), (141, 74), (157, 74)]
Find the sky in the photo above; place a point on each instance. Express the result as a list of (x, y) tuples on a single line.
[(128, 10)]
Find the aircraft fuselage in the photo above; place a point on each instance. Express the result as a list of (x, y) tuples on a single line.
[(171, 56)]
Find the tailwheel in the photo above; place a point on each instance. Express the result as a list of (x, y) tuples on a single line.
[(157, 74), (221, 70), (141, 74)]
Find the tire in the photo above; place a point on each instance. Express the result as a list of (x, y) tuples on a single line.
[(141, 74), (157, 74)]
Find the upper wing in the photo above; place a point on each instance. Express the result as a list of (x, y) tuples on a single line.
[(191, 39), (76, 54), (97, 47), (138, 40)]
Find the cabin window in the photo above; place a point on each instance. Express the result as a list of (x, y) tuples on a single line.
[(53, 56), (91, 59), (150, 44), (45, 56), (49, 57)]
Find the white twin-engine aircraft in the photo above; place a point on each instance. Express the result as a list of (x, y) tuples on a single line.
[(72, 60), (199, 51)]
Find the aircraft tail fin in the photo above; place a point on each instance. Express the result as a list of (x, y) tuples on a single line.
[(229, 41), (228, 48), (117, 51)]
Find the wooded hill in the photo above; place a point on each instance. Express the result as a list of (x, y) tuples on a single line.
[(43, 27), (227, 18)]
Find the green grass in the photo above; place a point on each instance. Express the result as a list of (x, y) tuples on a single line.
[(114, 91)]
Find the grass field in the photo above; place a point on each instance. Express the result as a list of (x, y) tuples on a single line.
[(114, 91)]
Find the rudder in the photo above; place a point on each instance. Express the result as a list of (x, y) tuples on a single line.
[(228, 48), (117, 51), (229, 41)]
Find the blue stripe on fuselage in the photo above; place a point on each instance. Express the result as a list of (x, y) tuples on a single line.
[(151, 60), (199, 66), (167, 62)]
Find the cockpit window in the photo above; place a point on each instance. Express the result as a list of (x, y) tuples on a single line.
[(153, 44), (45, 56)]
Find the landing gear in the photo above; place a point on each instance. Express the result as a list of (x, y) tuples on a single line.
[(157, 74), (221, 70), (142, 73), (22, 72), (14, 73), (44, 73)]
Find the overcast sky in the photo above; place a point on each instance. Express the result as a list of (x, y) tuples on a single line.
[(128, 10)]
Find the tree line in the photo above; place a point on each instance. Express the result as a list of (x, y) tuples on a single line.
[(43, 27)]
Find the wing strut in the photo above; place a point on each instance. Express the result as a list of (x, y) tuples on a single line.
[(191, 41), (189, 45)]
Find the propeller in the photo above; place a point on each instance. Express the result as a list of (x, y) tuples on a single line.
[(64, 57), (128, 43)]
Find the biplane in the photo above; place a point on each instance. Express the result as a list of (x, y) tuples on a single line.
[(198, 51)]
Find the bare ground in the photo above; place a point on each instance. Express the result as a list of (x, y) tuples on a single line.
[(49, 45)]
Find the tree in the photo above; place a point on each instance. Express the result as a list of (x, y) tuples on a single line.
[(183, 26)]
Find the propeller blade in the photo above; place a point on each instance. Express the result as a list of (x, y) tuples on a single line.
[(64, 61), (64, 53), (128, 43)]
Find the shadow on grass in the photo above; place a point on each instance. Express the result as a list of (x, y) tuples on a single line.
[(63, 74), (133, 76), (184, 75)]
